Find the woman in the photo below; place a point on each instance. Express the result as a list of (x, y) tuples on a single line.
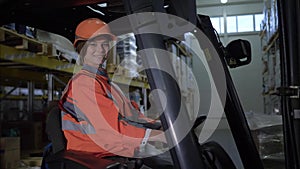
[(96, 116)]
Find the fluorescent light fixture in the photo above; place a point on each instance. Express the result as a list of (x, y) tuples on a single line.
[(103, 5), (224, 1), (95, 10)]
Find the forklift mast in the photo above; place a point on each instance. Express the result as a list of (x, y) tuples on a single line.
[(185, 155)]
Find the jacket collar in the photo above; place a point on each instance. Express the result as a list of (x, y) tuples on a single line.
[(98, 71)]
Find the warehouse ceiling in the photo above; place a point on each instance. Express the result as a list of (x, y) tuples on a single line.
[(57, 16), (62, 16)]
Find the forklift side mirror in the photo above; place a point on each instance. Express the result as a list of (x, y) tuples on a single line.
[(238, 53)]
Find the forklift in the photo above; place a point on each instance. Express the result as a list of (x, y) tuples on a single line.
[(144, 16)]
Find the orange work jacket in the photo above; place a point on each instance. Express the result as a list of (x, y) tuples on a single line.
[(97, 117)]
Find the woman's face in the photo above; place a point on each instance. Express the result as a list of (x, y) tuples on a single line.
[(96, 52)]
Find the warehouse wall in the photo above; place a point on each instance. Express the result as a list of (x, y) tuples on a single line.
[(248, 79)]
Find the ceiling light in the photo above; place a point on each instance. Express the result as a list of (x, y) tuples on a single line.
[(95, 10), (224, 1), (102, 5)]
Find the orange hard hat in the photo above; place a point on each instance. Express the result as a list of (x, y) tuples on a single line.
[(90, 28)]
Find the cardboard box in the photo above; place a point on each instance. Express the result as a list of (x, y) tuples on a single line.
[(9, 152), (31, 133)]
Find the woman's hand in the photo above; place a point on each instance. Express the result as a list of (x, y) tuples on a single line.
[(157, 135)]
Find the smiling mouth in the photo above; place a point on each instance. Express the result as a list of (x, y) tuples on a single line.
[(102, 58), (99, 56)]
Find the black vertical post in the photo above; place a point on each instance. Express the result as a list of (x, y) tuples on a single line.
[(289, 34), (185, 154)]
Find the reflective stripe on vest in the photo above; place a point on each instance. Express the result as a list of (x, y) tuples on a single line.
[(75, 111), (84, 128)]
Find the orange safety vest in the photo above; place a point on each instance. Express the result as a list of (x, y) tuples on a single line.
[(98, 118)]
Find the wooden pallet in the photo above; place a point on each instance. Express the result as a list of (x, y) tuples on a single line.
[(143, 78), (32, 161), (11, 38)]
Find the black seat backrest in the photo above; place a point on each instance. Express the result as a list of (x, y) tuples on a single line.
[(54, 130), (215, 156)]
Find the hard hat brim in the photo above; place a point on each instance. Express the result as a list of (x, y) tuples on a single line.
[(109, 36)]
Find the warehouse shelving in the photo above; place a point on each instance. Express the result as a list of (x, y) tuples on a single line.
[(271, 144), (271, 75), (39, 61), (33, 59), (14, 97), (29, 60)]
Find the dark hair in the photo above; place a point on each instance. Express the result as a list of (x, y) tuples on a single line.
[(81, 49)]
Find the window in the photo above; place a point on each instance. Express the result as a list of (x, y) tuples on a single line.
[(231, 24), (237, 23), (258, 19), (245, 23), (218, 24), (222, 25)]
